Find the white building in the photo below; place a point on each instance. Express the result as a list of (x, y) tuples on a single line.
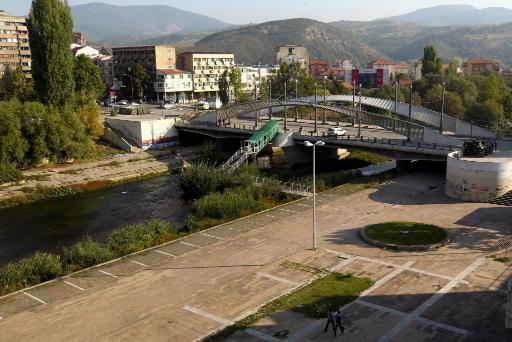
[(174, 85), (252, 76), (206, 69), (293, 54), (84, 50)]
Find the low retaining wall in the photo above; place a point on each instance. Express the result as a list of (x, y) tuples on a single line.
[(415, 248), (478, 180)]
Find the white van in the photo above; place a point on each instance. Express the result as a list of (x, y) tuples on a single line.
[(202, 105), (336, 131)]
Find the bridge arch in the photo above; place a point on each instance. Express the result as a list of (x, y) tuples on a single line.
[(412, 130)]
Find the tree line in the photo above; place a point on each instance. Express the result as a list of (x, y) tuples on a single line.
[(53, 115)]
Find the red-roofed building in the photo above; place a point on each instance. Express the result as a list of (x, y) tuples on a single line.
[(174, 85), (319, 69), (480, 66)]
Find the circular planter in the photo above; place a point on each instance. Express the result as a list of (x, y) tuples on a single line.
[(402, 247)]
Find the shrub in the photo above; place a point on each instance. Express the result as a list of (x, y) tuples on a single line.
[(9, 173), (133, 238), (228, 205), (195, 224), (86, 253), (200, 179), (29, 271)]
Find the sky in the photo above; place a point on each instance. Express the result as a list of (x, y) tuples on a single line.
[(244, 12)]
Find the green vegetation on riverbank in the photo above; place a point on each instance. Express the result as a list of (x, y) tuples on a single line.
[(42, 193), (42, 267), (313, 300)]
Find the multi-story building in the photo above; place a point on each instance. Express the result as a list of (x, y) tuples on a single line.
[(319, 69), (174, 85), (14, 45), (293, 54), (151, 57), (390, 67), (79, 38), (253, 76), (206, 69), (106, 69), (480, 66), (368, 78)]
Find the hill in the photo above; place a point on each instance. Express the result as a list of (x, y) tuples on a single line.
[(102, 22), (255, 44), (457, 15)]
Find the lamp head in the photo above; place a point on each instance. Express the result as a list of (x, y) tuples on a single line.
[(320, 143), (308, 144)]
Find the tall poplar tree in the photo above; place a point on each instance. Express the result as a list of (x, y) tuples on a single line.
[(432, 65), (50, 27)]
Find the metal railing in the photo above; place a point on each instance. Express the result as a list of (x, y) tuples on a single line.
[(289, 187)]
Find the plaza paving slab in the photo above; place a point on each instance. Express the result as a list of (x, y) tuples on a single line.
[(190, 288)]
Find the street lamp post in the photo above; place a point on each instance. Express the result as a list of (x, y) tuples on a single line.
[(396, 96), (285, 110), (256, 112), (270, 98), (309, 144), (131, 81), (359, 113), (325, 92), (410, 114), (353, 100), (442, 109), (316, 110)]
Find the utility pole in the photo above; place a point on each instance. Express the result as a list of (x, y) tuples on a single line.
[(353, 100), (442, 109)]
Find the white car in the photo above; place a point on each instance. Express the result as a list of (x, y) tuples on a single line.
[(167, 106), (336, 131)]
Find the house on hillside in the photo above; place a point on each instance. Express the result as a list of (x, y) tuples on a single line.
[(480, 66)]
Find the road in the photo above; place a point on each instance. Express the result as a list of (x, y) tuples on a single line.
[(189, 288)]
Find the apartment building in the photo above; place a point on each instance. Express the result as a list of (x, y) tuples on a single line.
[(152, 57), (206, 69), (253, 76), (106, 69), (14, 45), (174, 85), (319, 69), (480, 66), (293, 54)]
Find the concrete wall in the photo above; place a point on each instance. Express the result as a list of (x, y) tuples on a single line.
[(478, 181), (118, 141), (146, 133)]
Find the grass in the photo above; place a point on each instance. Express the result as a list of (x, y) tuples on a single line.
[(334, 290), (406, 233), (42, 267)]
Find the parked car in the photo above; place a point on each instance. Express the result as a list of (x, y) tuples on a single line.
[(122, 102), (336, 131), (165, 105), (202, 105)]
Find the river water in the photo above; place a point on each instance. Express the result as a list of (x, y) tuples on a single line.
[(50, 225)]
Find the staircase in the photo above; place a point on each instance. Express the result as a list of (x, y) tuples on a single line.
[(505, 200), (252, 146)]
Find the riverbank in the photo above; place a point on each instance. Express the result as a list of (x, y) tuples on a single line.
[(63, 180)]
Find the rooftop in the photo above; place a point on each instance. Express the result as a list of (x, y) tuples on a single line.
[(172, 71), (141, 46), (382, 61)]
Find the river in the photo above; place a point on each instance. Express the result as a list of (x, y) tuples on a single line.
[(50, 225)]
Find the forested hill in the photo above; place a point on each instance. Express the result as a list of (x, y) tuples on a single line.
[(255, 44)]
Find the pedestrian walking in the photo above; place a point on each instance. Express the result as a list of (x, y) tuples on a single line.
[(337, 319), (330, 318)]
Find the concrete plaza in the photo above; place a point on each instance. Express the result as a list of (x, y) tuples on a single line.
[(190, 288)]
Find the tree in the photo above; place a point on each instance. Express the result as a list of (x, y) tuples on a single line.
[(224, 87), (12, 143), (432, 65), (50, 27), (488, 113), (90, 115), (88, 83), (141, 81), (18, 86), (452, 71), (104, 51), (288, 73), (235, 81)]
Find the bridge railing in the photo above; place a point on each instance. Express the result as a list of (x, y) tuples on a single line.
[(383, 141)]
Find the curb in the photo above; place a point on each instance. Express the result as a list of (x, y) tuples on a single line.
[(404, 248)]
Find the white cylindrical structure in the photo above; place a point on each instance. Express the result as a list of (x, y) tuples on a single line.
[(478, 179)]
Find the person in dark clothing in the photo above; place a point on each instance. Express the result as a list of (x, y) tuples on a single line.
[(337, 319), (330, 318)]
